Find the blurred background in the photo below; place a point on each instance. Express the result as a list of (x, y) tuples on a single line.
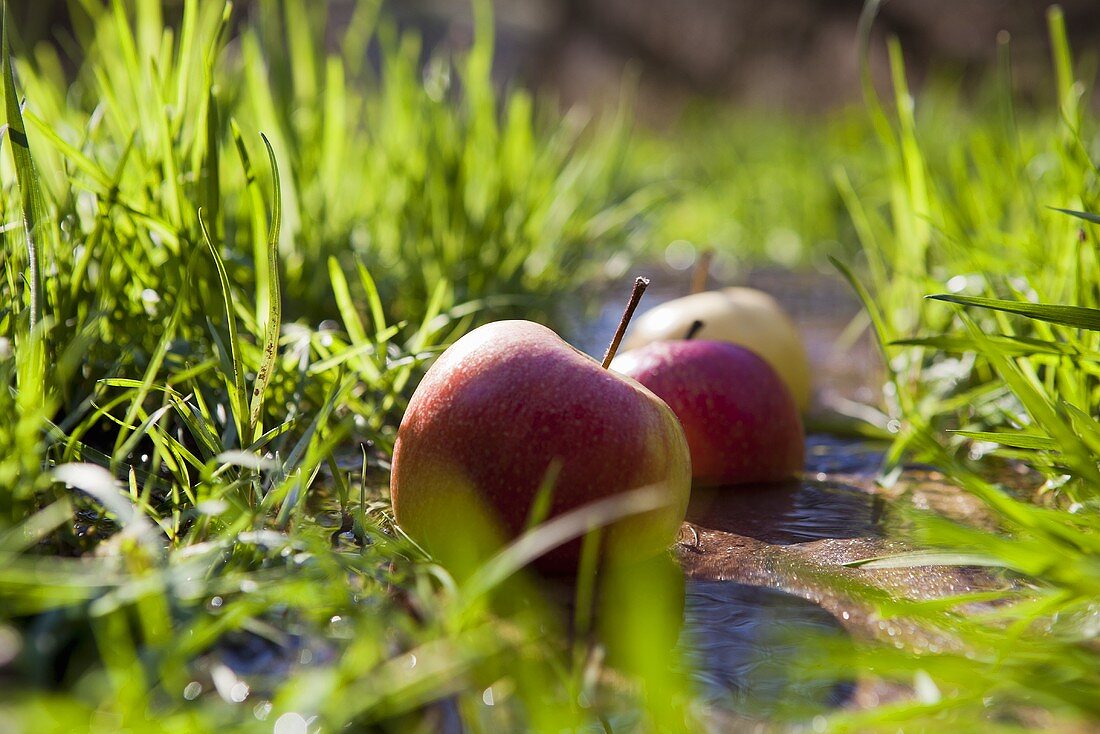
[(795, 55), (744, 113)]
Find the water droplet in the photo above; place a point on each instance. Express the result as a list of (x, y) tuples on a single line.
[(238, 692), (262, 710), (926, 689), (291, 723)]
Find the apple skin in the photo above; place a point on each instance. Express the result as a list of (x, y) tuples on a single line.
[(741, 422), (492, 415), (744, 316)]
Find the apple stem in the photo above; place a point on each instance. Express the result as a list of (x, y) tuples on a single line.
[(640, 284), (702, 271), (696, 325)]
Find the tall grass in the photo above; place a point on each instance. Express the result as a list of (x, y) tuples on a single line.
[(228, 249), (983, 298)]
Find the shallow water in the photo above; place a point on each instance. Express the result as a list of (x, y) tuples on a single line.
[(766, 583), (749, 627), (749, 644), (789, 512)]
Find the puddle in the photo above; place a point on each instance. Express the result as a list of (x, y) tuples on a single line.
[(252, 664), (832, 455), (789, 512), (819, 507), (751, 648)]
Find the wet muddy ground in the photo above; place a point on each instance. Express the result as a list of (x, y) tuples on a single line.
[(767, 578)]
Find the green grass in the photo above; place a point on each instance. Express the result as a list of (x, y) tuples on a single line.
[(765, 187), (983, 297), (968, 227), (229, 249)]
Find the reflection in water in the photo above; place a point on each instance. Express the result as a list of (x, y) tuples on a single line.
[(750, 647), (838, 455), (788, 512)]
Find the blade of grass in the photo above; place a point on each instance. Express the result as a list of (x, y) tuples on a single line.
[(1016, 440), (235, 381), (37, 229), (1079, 317), (275, 307)]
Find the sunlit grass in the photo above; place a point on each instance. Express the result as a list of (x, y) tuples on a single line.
[(967, 225), (228, 250), (756, 186), (983, 299)]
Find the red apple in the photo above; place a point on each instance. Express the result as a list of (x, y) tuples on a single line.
[(742, 424), (504, 407), (742, 316)]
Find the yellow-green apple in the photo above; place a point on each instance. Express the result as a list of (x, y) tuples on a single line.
[(744, 316), (741, 422), (510, 407)]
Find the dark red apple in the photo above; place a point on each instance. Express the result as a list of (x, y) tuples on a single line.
[(744, 316), (511, 404), (742, 424)]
